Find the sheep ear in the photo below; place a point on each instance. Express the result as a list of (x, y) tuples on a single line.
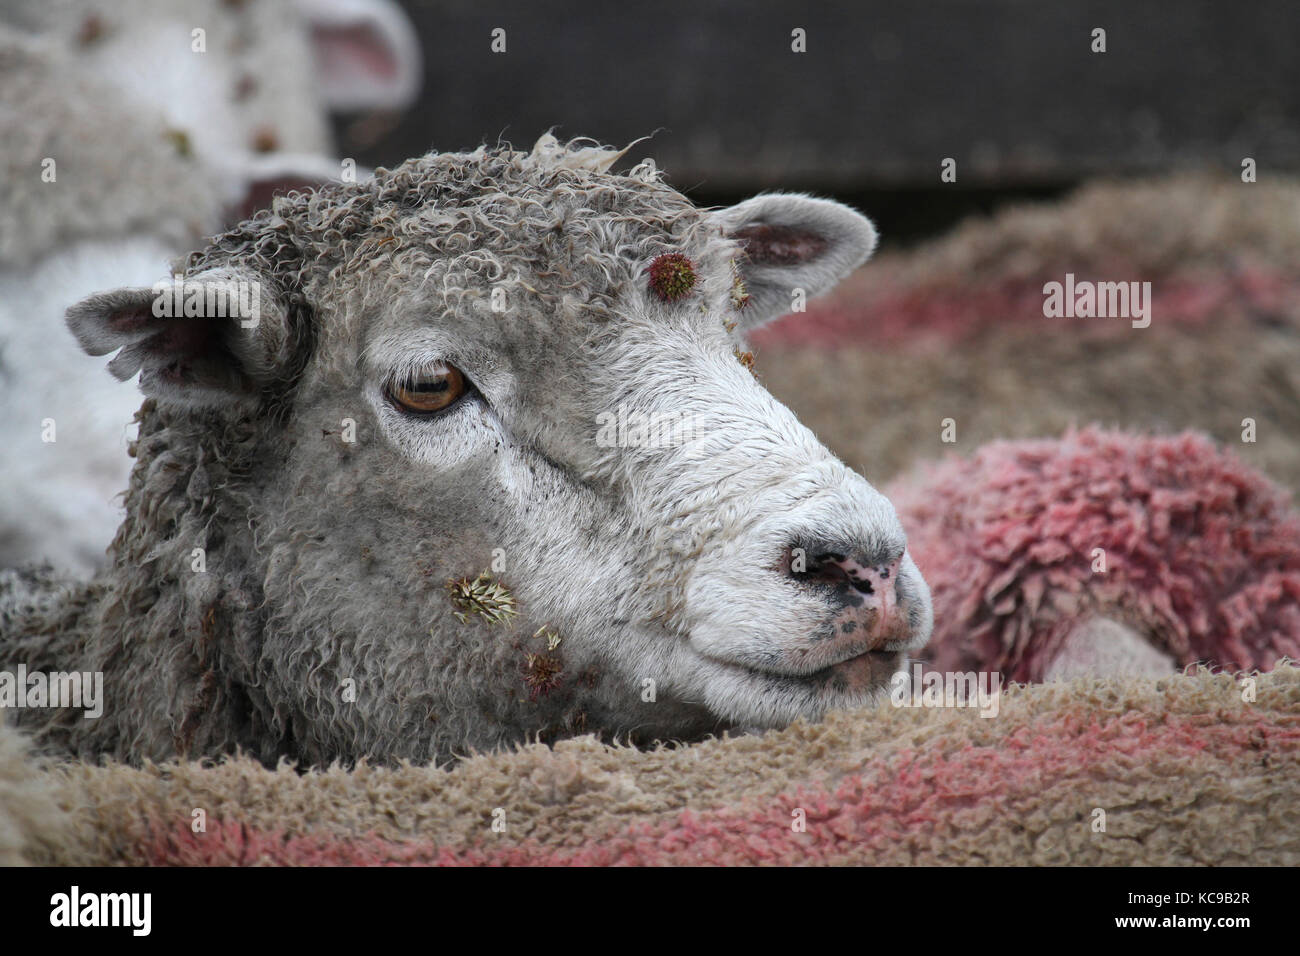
[(796, 247), (367, 54), (207, 340)]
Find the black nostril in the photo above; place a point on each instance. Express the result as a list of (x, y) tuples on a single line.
[(862, 570)]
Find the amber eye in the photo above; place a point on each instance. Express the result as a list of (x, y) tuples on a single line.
[(429, 391)]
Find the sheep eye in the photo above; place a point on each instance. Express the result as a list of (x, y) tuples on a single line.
[(430, 391)]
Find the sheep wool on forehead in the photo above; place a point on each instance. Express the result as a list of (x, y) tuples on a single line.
[(554, 222)]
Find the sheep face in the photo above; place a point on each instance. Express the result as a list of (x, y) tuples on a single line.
[(512, 474)]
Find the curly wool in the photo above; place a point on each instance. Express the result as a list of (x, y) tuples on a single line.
[(1202, 553), (552, 225), (465, 222)]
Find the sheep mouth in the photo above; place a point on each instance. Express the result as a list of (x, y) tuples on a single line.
[(864, 670), (870, 668)]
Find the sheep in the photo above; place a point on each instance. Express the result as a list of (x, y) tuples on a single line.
[(1104, 552), (122, 146), (378, 508), (246, 85), (63, 236)]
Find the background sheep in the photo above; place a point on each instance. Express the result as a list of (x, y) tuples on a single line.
[(954, 329), (1104, 552), (62, 240), (411, 399), (249, 94), (121, 145)]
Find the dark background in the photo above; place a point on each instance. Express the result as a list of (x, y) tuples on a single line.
[(885, 91)]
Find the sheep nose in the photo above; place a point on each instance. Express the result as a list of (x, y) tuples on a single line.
[(865, 585)]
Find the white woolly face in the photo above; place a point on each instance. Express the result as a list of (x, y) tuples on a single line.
[(786, 573), (649, 500)]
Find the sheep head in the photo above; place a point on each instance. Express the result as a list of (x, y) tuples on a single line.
[(457, 387)]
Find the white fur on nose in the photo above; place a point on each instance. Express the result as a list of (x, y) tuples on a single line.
[(722, 508), (741, 604)]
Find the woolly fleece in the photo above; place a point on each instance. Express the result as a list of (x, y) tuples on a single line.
[(1202, 554), (1186, 771)]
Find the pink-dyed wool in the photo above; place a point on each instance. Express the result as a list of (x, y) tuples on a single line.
[(880, 314), (925, 797), (1202, 553)]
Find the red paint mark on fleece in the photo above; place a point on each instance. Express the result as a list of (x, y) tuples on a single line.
[(1201, 549), (918, 796)]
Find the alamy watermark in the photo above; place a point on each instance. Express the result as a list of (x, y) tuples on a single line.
[(982, 690), (178, 298), (1101, 300), (628, 428), (22, 690), (76, 908)]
